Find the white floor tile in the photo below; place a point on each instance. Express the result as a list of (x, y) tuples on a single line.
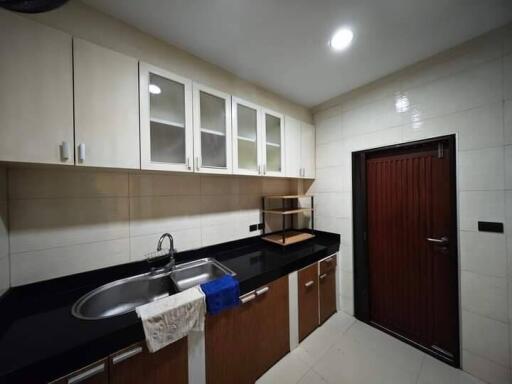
[(312, 378), (436, 372), (289, 370)]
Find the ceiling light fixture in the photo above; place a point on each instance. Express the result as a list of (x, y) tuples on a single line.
[(154, 89), (341, 39)]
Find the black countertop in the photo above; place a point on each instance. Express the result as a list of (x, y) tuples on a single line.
[(40, 340)]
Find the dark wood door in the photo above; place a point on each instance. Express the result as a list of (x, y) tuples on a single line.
[(412, 245), (308, 300), (136, 364), (327, 288), (243, 343)]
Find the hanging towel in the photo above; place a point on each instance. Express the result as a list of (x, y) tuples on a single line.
[(168, 320), (221, 294)]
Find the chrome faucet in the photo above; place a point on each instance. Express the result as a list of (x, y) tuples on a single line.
[(170, 265)]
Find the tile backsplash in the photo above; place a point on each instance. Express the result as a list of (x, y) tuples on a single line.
[(65, 221)]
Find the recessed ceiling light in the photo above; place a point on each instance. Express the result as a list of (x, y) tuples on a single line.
[(341, 39), (154, 89)]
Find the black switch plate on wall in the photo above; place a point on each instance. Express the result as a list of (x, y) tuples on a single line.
[(488, 226), (253, 227)]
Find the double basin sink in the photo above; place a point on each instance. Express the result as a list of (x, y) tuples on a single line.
[(123, 296)]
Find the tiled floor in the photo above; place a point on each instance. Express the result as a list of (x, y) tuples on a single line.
[(346, 351)]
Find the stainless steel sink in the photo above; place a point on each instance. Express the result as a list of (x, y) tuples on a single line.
[(123, 296), (198, 272)]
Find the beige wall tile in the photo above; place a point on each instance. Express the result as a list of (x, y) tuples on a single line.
[(250, 185), (48, 223), (483, 253), (485, 295), (184, 240), (164, 185), (45, 264), (33, 183), (485, 369), (219, 185), (159, 214)]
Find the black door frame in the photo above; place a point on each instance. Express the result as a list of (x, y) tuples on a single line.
[(360, 230)]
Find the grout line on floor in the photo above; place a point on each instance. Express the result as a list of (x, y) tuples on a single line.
[(421, 367)]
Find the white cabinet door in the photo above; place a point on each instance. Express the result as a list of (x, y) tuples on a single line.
[(292, 147), (36, 92), (272, 143), (166, 132), (308, 150), (212, 130), (106, 107), (247, 136)]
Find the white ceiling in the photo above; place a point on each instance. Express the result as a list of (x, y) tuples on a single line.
[(282, 44)]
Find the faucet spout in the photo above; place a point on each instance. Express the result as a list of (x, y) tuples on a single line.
[(170, 265)]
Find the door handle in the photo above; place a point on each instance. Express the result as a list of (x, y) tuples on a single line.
[(86, 374), (247, 298), (309, 283), (126, 355), (442, 241), (81, 152), (261, 291), (323, 276)]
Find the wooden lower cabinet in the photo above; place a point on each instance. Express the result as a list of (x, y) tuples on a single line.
[(243, 343), (308, 300), (136, 365), (327, 288), (96, 373)]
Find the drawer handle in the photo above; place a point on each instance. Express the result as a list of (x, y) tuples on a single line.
[(261, 291), (81, 152), (329, 260), (64, 151), (126, 355), (87, 374), (309, 283), (247, 298), (323, 276)]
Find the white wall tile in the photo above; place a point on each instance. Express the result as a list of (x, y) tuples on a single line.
[(48, 223), (481, 127), (463, 90), (484, 368), (329, 179), (485, 295), (4, 275), (477, 206), (508, 167), (328, 155), (481, 169), (485, 337), (483, 253), (328, 128), (507, 71), (508, 121), (45, 264)]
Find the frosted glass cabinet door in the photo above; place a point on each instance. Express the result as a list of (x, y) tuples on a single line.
[(293, 161), (307, 151), (272, 143), (247, 156), (165, 120), (212, 130), (36, 92)]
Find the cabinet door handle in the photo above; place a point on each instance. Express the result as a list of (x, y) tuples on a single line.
[(309, 283), (264, 169), (259, 169), (247, 298), (81, 152), (126, 355), (261, 291), (64, 151), (323, 276), (188, 163), (198, 163), (87, 374)]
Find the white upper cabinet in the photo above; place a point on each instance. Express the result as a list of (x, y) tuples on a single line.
[(36, 92), (106, 107), (247, 126), (300, 149), (166, 132), (293, 144), (212, 130), (272, 143), (307, 150)]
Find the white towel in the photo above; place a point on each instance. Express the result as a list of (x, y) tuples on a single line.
[(168, 320)]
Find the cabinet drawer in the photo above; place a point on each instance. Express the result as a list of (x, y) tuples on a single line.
[(328, 264), (95, 373), (308, 300)]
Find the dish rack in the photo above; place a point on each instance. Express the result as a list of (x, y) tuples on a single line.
[(289, 210)]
